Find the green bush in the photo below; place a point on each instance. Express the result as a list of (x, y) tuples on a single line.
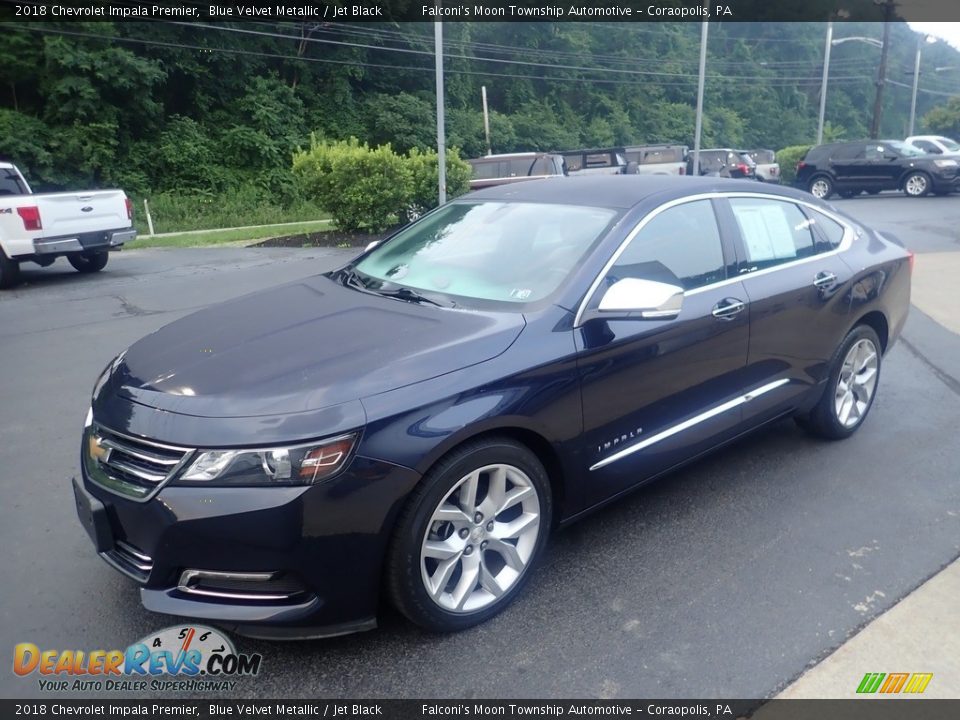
[(788, 159), (425, 181), (371, 189), (363, 188)]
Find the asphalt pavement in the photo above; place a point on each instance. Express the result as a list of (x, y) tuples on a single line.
[(727, 579)]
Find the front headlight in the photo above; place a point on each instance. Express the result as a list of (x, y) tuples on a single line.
[(107, 372), (945, 163), (295, 465)]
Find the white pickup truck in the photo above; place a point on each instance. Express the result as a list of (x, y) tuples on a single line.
[(39, 228)]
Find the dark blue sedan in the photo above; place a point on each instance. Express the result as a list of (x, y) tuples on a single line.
[(414, 424)]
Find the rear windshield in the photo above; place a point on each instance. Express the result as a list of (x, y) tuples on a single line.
[(10, 183), (762, 157), (662, 155)]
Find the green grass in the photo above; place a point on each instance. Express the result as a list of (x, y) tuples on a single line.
[(228, 237)]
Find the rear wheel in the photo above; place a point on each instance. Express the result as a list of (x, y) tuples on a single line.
[(470, 535), (9, 271), (849, 193), (821, 187), (917, 184), (850, 389), (89, 262)]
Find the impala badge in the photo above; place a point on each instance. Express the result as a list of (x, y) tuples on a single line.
[(619, 440)]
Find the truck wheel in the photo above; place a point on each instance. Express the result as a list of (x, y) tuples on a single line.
[(9, 272), (89, 263)]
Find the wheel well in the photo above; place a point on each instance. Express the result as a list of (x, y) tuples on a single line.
[(876, 320), (540, 447)]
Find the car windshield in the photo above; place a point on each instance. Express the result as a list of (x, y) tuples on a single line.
[(906, 149), (497, 251), (949, 144)]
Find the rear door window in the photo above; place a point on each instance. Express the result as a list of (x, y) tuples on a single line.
[(773, 232), (10, 183), (827, 232)]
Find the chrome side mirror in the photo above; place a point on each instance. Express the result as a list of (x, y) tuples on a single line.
[(371, 246), (649, 299)]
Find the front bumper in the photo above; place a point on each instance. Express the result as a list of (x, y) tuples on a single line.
[(324, 543)]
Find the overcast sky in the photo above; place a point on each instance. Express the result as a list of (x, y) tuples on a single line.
[(949, 31)]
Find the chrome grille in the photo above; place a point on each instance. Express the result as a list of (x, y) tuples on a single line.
[(127, 465), (130, 560)]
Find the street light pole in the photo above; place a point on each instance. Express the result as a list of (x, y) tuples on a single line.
[(700, 83), (441, 133), (823, 82), (916, 80)]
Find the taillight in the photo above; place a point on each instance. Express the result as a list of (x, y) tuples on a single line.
[(743, 168), (683, 170), (801, 165), (31, 217), (129, 208)]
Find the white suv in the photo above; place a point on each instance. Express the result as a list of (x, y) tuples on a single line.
[(934, 144)]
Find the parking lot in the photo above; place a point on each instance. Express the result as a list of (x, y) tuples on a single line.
[(726, 579)]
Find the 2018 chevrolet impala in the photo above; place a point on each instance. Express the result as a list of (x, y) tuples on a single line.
[(415, 423)]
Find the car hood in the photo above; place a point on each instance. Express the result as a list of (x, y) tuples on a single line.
[(302, 347)]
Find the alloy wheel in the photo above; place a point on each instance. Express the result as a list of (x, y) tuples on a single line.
[(820, 189), (857, 383), (916, 185), (480, 538)]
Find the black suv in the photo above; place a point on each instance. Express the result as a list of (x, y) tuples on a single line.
[(850, 168)]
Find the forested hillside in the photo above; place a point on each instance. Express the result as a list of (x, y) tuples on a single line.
[(207, 109)]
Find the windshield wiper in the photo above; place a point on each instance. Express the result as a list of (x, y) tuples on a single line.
[(409, 295), (351, 278)]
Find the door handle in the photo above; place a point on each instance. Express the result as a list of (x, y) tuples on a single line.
[(728, 308), (824, 279)]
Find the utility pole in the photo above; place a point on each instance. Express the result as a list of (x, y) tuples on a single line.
[(888, 7)]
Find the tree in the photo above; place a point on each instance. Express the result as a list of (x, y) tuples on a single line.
[(945, 119)]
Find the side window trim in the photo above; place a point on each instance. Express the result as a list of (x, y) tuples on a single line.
[(848, 235)]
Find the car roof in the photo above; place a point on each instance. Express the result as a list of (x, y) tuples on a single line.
[(621, 191)]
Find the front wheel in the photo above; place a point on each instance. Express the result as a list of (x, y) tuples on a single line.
[(821, 187), (917, 184), (89, 262), (469, 536), (851, 387)]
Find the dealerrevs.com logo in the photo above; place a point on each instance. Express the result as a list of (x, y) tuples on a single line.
[(181, 658)]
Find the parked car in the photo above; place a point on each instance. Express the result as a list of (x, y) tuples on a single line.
[(934, 144), (40, 227), (658, 159), (767, 167), (850, 168), (725, 163), (414, 424), (514, 167), (602, 161)]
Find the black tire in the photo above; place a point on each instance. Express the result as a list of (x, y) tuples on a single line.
[(820, 181), (916, 184), (404, 579), (823, 420), (9, 272), (847, 194), (89, 262)]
